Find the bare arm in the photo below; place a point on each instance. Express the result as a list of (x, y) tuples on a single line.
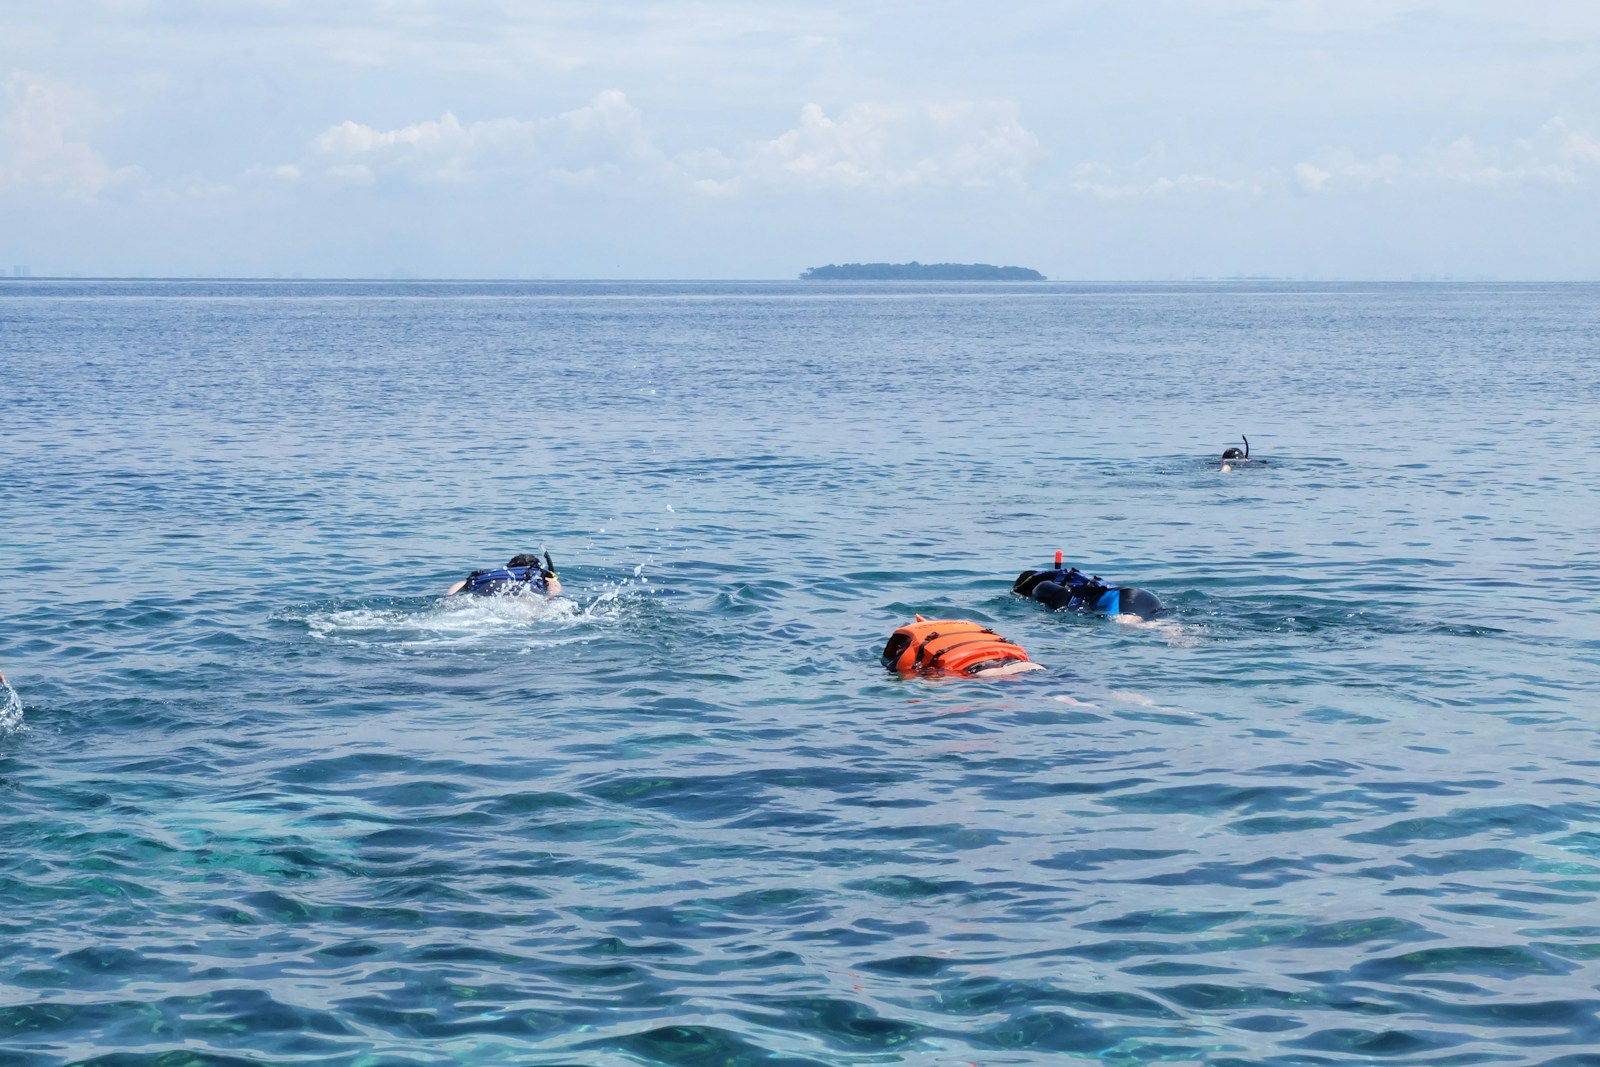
[(552, 586), (454, 589)]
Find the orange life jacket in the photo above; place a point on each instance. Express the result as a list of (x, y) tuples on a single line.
[(952, 646)]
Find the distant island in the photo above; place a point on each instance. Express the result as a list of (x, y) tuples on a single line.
[(919, 272)]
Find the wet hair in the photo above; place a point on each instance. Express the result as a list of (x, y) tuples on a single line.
[(1232, 453), (524, 560)]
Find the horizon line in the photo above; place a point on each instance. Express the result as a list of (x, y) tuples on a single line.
[(1412, 279)]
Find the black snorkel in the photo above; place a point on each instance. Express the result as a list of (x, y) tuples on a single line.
[(549, 568)]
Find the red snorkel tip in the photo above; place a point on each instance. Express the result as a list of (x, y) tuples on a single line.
[(1058, 559)]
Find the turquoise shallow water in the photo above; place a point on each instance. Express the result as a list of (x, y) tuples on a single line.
[(266, 797)]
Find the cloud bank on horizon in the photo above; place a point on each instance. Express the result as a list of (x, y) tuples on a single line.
[(707, 138)]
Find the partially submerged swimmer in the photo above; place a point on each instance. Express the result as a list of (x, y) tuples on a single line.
[(523, 576), (1234, 455), (954, 646), (1059, 588)]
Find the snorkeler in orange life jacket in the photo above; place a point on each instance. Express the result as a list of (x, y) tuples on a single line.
[(956, 647)]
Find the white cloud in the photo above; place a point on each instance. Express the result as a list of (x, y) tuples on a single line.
[(604, 138), (1569, 145), (42, 145), (1311, 178), (430, 151), (1099, 181), (1556, 155), (1159, 173), (873, 147), (895, 146)]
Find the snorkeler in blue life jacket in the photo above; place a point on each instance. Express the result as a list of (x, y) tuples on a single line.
[(523, 576), (1059, 587)]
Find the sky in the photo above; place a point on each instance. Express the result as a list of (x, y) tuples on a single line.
[(1087, 139)]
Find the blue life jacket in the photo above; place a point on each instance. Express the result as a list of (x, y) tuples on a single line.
[(507, 581), (1087, 592)]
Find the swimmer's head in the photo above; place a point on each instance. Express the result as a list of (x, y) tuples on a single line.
[(1234, 452), (526, 559)]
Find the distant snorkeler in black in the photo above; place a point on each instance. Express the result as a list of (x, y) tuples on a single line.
[(1232, 456), (523, 576)]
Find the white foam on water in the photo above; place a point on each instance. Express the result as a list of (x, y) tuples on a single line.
[(1177, 635), (10, 709), (465, 621), (1145, 702)]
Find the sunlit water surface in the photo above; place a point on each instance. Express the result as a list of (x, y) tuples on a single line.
[(268, 797)]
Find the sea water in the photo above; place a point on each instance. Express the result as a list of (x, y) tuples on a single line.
[(266, 796)]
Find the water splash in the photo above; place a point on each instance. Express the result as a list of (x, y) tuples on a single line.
[(10, 709), (1175, 633), (468, 621)]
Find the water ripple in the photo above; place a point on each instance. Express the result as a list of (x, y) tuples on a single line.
[(270, 797)]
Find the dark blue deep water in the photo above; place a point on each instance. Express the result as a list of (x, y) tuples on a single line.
[(267, 798)]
